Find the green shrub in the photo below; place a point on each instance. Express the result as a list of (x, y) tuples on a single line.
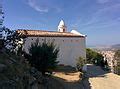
[(43, 56), (80, 63)]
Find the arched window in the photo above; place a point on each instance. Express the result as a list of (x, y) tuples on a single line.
[(63, 30)]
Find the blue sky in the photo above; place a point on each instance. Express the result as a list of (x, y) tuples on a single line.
[(98, 19)]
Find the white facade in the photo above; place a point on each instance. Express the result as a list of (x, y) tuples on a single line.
[(72, 44), (71, 48)]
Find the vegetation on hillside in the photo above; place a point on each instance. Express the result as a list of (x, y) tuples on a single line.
[(18, 73), (95, 58), (80, 63), (117, 60), (13, 41), (14, 71)]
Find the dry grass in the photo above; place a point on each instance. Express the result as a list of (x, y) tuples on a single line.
[(69, 77), (67, 73)]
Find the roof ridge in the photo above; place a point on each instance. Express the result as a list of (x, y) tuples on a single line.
[(42, 31), (47, 33)]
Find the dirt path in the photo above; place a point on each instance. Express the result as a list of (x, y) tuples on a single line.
[(100, 79), (96, 79), (69, 80)]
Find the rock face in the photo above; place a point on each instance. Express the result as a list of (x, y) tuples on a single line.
[(1, 44), (16, 73), (2, 67), (13, 71)]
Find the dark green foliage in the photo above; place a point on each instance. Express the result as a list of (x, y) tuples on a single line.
[(80, 63), (118, 67), (90, 55), (13, 41), (43, 56), (94, 57), (16, 73), (1, 44), (117, 55), (117, 58)]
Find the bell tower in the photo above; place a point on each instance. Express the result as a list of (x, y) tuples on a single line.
[(62, 27)]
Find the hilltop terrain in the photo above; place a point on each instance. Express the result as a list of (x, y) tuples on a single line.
[(106, 47)]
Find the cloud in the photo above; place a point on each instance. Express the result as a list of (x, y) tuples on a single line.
[(34, 4), (44, 6), (103, 14), (103, 17)]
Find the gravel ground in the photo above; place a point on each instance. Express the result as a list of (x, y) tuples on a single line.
[(110, 81), (100, 79)]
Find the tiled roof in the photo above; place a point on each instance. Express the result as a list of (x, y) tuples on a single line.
[(42, 33)]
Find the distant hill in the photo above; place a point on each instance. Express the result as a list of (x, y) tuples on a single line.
[(100, 47), (106, 47), (116, 47)]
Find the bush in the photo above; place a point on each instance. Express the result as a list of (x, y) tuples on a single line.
[(117, 62), (80, 63), (94, 57), (43, 56)]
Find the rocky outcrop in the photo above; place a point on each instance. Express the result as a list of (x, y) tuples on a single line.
[(2, 67), (16, 73)]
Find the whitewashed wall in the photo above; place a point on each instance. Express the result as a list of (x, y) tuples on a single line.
[(71, 48)]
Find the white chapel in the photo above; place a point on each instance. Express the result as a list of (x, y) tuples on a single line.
[(72, 44)]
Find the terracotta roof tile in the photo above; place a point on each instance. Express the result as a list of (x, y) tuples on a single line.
[(42, 33)]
